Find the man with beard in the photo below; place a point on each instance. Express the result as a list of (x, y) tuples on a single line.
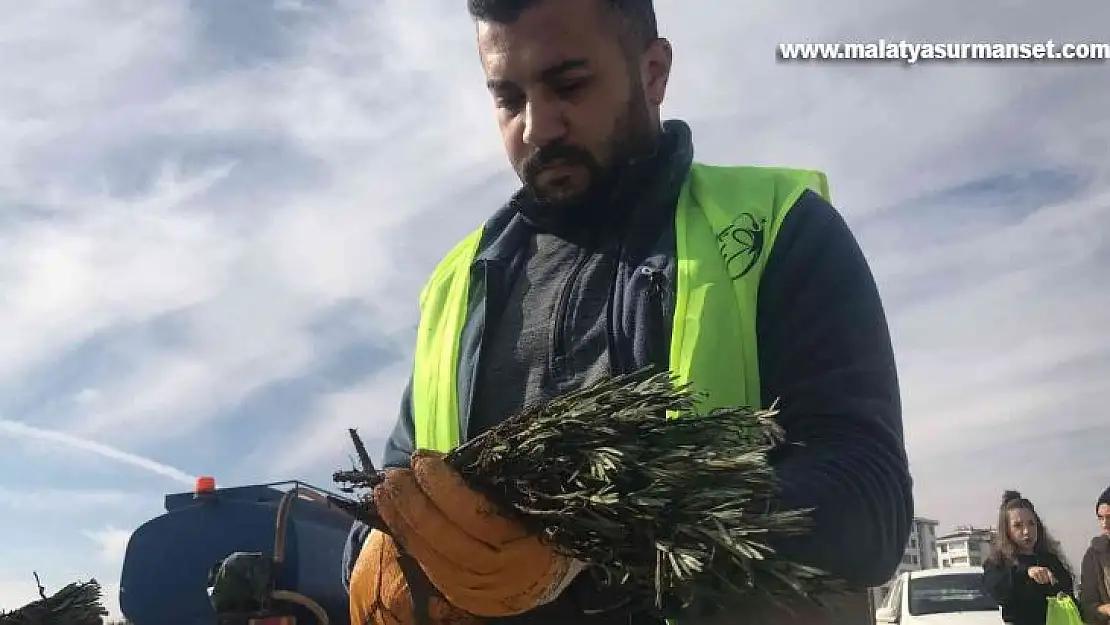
[(1094, 587), (619, 252)]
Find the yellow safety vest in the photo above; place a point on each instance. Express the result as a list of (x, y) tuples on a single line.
[(726, 222)]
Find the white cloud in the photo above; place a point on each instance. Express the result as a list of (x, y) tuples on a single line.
[(111, 543), (177, 224), (16, 592), (14, 429), (50, 499), (323, 440), (103, 261), (111, 546)]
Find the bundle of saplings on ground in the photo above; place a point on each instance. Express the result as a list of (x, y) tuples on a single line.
[(75, 604)]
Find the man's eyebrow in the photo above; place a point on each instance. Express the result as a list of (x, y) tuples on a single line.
[(500, 84), (565, 66)]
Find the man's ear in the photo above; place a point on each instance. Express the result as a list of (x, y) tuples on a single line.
[(655, 70)]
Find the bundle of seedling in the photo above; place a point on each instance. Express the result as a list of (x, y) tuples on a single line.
[(74, 604), (672, 504)]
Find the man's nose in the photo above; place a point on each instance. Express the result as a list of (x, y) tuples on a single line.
[(543, 123)]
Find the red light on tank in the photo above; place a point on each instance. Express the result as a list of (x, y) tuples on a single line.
[(205, 485)]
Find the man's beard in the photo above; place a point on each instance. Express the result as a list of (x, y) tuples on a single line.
[(631, 137)]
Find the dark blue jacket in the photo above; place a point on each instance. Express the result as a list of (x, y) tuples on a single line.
[(824, 349)]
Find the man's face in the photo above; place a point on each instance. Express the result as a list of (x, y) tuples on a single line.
[(1103, 513), (570, 102)]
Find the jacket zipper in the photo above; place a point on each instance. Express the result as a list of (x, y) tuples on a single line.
[(655, 285), (559, 347), (616, 304), (657, 315)]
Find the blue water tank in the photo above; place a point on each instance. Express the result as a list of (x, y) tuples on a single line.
[(168, 559)]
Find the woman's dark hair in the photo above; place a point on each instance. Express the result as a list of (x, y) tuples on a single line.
[(1003, 549)]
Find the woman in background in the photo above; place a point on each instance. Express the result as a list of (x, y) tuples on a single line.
[(1026, 566), (1094, 592)]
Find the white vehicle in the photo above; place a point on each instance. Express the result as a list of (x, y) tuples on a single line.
[(952, 596)]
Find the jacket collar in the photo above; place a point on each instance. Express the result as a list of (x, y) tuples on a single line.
[(1101, 544)]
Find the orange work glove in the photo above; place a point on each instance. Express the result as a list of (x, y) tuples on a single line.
[(380, 596), (482, 562)]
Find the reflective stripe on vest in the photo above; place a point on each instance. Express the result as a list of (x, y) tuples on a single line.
[(726, 223)]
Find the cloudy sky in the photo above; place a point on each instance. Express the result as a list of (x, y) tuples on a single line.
[(215, 217)]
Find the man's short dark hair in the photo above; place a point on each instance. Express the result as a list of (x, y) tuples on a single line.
[(638, 16)]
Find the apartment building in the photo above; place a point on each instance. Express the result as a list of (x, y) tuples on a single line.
[(964, 546), (920, 554)]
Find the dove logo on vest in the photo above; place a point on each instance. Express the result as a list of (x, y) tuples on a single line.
[(741, 244)]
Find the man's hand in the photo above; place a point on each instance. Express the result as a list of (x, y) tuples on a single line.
[(1041, 575), (482, 562), (1104, 609), (380, 596)]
